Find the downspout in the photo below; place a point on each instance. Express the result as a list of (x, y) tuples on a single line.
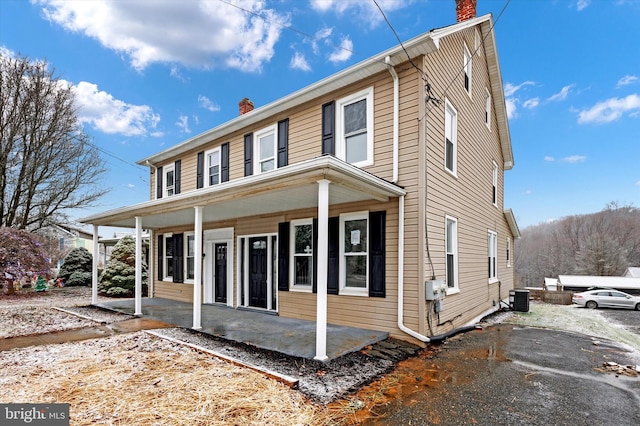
[(401, 325), (396, 112)]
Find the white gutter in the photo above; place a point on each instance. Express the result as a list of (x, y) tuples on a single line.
[(396, 96), (401, 326)]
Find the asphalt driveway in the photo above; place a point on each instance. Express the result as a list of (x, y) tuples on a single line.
[(509, 375)]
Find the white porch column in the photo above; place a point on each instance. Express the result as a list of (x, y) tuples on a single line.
[(323, 246), (138, 292), (94, 267), (197, 270)]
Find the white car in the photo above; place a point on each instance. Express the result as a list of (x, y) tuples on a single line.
[(604, 298)]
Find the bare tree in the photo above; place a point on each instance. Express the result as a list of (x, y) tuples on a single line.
[(603, 243), (47, 163)]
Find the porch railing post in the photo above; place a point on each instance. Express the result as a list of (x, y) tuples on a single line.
[(94, 267), (197, 270), (138, 290), (323, 245)]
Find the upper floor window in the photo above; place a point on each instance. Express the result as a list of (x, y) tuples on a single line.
[(451, 137), (354, 248), (266, 148), (487, 108), (467, 69), (302, 253), (492, 242), (354, 128), (495, 184), (169, 180), (212, 159), (508, 252), (451, 251)]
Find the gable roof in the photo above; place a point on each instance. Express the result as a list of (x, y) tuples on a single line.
[(632, 271), (586, 281), (420, 45)]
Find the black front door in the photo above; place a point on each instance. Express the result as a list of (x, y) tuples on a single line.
[(258, 272), (220, 272)]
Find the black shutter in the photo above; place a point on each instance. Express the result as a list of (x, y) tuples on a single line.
[(178, 258), (200, 171), (248, 154), (328, 128), (224, 162), (333, 270), (159, 182), (176, 174), (160, 257), (314, 281), (283, 142), (283, 256), (377, 254)]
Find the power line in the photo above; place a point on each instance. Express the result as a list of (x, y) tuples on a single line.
[(288, 27), (441, 98)]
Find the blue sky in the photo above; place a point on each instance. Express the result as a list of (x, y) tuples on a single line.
[(150, 74)]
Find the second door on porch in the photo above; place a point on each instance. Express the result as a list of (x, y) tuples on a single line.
[(258, 272)]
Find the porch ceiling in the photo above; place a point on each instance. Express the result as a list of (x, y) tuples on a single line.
[(288, 188)]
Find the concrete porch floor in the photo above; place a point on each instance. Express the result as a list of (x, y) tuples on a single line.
[(264, 330)]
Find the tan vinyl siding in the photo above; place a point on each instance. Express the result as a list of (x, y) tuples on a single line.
[(467, 196)]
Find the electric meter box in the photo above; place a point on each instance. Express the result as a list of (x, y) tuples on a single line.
[(434, 289)]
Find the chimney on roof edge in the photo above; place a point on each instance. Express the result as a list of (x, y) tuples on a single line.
[(245, 106), (465, 9)]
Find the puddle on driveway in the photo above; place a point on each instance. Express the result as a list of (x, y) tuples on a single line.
[(78, 334), (425, 378)]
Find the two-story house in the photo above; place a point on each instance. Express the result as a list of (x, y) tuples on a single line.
[(372, 198)]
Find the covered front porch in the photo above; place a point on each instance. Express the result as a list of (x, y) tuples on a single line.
[(289, 336), (314, 184)]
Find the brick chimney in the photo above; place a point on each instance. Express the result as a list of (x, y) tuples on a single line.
[(465, 9), (245, 106)]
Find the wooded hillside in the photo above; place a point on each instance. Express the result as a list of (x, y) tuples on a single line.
[(603, 243)]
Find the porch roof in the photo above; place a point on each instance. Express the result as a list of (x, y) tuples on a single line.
[(287, 188)]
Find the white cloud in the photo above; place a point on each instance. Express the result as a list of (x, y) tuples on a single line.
[(299, 62), (321, 35), (638, 183), (365, 10), (113, 116), (343, 52), (574, 159), (531, 103), (610, 110), (527, 192), (570, 159), (582, 4), (130, 185), (510, 89), (200, 34), (626, 80), (206, 103), (183, 124), (511, 107), (562, 94), (511, 100)]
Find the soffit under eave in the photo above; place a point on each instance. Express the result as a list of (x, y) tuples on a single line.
[(497, 93), (513, 224)]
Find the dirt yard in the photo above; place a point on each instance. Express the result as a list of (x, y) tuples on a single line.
[(135, 378)]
